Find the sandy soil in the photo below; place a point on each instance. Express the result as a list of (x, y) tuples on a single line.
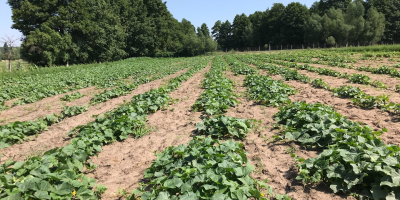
[(271, 159), (374, 118), (375, 63), (122, 164), (56, 135), (389, 81), (50, 105), (46, 106), (335, 82)]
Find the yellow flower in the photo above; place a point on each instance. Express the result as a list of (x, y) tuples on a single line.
[(74, 192), (262, 194)]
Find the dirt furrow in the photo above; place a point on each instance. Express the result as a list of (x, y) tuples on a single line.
[(272, 159), (389, 81), (56, 135), (335, 82), (122, 164)]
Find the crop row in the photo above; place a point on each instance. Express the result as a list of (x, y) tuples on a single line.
[(34, 87), (206, 168), (391, 71), (358, 97), (58, 173), (18, 131), (218, 95), (353, 159)]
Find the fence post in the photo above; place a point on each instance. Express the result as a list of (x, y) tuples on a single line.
[(259, 48), (302, 46), (281, 47), (358, 43), (291, 47), (269, 47), (318, 45)]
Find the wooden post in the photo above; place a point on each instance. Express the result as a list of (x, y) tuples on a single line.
[(318, 45), (281, 47), (358, 43), (302, 46), (291, 47), (259, 48), (269, 47)]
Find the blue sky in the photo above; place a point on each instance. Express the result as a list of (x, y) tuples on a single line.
[(196, 11)]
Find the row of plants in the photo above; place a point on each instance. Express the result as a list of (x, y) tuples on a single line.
[(17, 132), (218, 96), (360, 99), (268, 91), (34, 87), (239, 67), (124, 89), (353, 78), (58, 174), (391, 71), (352, 160), (206, 168), (72, 96)]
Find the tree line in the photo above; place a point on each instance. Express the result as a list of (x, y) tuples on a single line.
[(86, 31), (326, 21)]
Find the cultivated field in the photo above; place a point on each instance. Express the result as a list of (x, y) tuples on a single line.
[(285, 125)]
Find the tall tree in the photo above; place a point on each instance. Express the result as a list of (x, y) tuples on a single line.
[(240, 22), (205, 30), (325, 5), (273, 24), (256, 20), (355, 19), (390, 8), (374, 26), (293, 19), (5, 48)]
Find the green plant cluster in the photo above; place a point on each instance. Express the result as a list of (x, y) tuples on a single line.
[(319, 83), (268, 91), (72, 96), (353, 157), (360, 79), (239, 67), (17, 132), (58, 173), (222, 127), (34, 86), (360, 98), (203, 169), (364, 100), (218, 96)]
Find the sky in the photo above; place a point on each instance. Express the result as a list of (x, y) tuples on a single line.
[(196, 11)]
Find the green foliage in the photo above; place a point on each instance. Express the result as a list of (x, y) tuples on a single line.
[(239, 67), (72, 111), (267, 91), (195, 171), (72, 96), (378, 84), (218, 96), (58, 174), (34, 86), (360, 79), (222, 127), (319, 83), (353, 159), (330, 41)]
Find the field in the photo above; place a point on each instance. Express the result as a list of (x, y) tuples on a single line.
[(285, 125)]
